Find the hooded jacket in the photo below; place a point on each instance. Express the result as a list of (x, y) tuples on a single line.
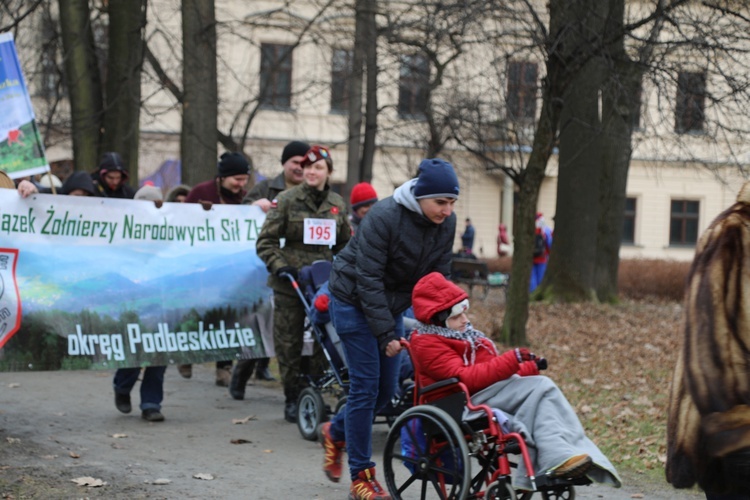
[(441, 353), (393, 248), (79, 180)]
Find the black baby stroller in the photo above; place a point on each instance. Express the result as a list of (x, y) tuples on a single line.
[(333, 383)]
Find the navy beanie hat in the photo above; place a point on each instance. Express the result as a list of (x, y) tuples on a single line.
[(294, 148), (233, 164), (436, 179)]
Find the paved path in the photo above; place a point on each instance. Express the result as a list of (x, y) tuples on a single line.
[(57, 426)]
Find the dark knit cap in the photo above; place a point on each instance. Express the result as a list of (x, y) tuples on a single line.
[(233, 164), (294, 148), (112, 162), (436, 179)]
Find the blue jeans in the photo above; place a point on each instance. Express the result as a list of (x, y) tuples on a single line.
[(537, 273), (152, 385), (373, 377)]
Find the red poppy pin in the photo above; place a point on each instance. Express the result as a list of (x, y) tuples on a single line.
[(335, 210)]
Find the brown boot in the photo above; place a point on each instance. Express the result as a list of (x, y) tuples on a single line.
[(223, 376), (572, 468)]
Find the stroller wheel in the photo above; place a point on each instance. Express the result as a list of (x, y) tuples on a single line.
[(311, 412), (565, 493)]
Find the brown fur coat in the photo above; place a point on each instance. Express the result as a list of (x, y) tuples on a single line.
[(709, 410)]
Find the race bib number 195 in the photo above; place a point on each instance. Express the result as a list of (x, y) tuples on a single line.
[(320, 232)]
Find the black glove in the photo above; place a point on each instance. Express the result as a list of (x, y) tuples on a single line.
[(291, 270), (523, 354), (541, 363), (385, 339)]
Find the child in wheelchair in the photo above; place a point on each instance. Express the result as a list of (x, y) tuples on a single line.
[(445, 345)]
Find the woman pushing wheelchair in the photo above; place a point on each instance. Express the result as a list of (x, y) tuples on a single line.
[(445, 345)]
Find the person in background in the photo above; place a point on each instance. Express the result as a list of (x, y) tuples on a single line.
[(311, 219), (177, 194), (503, 241), (149, 192), (111, 177), (77, 184), (363, 197), (152, 383), (228, 187), (445, 346), (467, 238), (262, 195), (542, 245), (403, 237)]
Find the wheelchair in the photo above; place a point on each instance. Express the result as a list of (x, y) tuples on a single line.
[(431, 452)]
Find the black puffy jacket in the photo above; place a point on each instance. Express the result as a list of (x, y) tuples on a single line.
[(391, 250)]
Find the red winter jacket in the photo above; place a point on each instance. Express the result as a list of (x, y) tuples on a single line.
[(439, 358)]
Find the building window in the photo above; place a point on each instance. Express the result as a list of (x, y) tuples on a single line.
[(521, 100), (341, 73), (683, 224), (690, 102), (276, 76), (413, 86), (628, 228)]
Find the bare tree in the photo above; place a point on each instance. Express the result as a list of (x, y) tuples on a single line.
[(83, 80), (200, 95), (121, 124)]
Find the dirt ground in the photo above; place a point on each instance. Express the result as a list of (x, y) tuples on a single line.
[(56, 427)]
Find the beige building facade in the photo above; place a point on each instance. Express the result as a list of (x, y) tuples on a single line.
[(671, 196)]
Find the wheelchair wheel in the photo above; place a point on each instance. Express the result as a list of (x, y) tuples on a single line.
[(501, 490), (565, 493), (340, 405), (311, 412), (426, 456)]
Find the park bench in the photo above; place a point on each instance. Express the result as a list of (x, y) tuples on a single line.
[(472, 272)]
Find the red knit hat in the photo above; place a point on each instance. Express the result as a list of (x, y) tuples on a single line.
[(363, 194)]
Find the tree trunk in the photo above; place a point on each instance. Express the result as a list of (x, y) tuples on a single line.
[(571, 271), (355, 98), (517, 308), (371, 107), (83, 81), (198, 150), (121, 127), (620, 105)]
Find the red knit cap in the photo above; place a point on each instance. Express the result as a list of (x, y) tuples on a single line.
[(362, 194)]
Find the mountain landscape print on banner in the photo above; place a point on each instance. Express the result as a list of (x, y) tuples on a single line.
[(73, 280)]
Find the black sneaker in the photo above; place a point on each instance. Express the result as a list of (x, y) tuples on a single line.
[(290, 412), (263, 373), (152, 415), (122, 402)]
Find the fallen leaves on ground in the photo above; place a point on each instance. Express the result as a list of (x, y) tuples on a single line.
[(240, 421), (119, 436), (203, 476), (240, 441), (89, 481), (613, 362), (159, 481)]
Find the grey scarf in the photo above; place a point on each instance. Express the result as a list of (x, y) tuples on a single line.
[(471, 336)]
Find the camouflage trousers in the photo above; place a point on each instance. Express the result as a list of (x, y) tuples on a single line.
[(288, 338)]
